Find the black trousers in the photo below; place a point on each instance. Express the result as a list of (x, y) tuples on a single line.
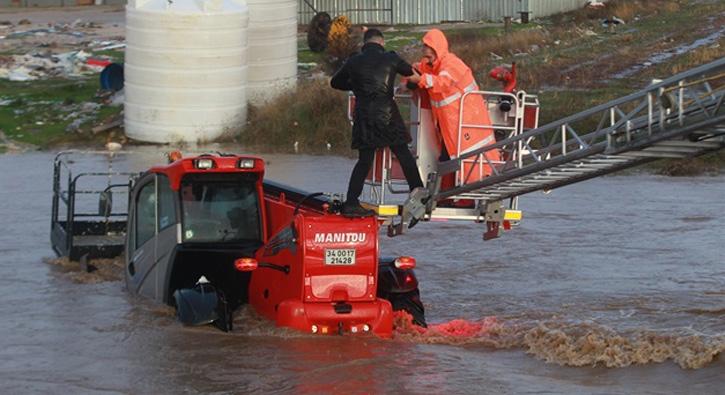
[(365, 162)]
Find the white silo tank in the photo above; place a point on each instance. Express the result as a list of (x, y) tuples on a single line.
[(185, 69), (272, 48)]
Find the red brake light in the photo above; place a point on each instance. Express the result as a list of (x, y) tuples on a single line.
[(246, 264), (405, 263)]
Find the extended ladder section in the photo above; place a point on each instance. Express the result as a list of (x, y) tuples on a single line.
[(682, 116)]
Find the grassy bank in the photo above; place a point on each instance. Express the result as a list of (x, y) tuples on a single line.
[(58, 111), (43, 113), (312, 116)]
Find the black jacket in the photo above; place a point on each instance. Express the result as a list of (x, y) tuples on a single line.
[(371, 76)]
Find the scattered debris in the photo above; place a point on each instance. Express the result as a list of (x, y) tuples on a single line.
[(109, 47), (90, 107), (35, 66), (613, 21), (114, 123), (307, 66), (75, 126), (106, 45), (25, 22)]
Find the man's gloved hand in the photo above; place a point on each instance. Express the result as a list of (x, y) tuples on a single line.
[(415, 78)]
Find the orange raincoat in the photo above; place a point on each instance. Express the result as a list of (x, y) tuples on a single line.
[(446, 81)]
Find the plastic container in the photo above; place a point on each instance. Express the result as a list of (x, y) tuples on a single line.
[(112, 77), (272, 48), (185, 70)]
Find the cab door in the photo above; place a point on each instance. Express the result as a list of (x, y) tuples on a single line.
[(141, 239), (168, 236)]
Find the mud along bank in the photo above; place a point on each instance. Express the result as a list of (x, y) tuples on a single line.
[(619, 271)]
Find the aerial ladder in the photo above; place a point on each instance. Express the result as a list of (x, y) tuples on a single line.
[(679, 117)]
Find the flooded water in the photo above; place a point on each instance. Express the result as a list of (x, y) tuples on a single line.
[(615, 285)]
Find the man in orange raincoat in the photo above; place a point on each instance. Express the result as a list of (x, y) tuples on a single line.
[(447, 79)]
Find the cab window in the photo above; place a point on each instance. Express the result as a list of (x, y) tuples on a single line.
[(167, 210), (146, 214), (220, 208)]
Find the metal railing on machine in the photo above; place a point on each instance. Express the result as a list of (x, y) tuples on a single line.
[(76, 231)]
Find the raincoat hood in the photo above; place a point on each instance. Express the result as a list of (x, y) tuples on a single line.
[(437, 40)]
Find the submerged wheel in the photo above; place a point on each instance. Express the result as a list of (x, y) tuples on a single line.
[(411, 304)]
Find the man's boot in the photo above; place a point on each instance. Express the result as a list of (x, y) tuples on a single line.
[(355, 210)]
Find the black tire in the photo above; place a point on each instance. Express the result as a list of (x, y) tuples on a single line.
[(411, 304)]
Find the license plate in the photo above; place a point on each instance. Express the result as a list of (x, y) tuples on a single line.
[(339, 256)]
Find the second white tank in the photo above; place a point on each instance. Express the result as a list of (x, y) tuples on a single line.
[(272, 49)]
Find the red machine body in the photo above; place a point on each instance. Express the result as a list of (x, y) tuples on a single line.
[(314, 270), (312, 292)]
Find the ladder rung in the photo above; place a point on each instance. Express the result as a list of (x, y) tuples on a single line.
[(644, 154), (688, 144), (618, 160), (673, 150)]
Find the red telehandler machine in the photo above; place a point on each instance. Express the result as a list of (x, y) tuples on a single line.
[(207, 234)]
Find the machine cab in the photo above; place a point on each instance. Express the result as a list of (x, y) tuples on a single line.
[(193, 218)]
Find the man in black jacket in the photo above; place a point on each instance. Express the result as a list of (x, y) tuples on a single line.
[(376, 120)]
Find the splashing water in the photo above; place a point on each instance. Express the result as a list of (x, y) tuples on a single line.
[(96, 271), (578, 344)]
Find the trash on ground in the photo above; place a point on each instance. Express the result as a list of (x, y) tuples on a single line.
[(35, 66), (110, 124)]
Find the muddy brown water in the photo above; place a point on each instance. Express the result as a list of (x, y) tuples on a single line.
[(615, 285)]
